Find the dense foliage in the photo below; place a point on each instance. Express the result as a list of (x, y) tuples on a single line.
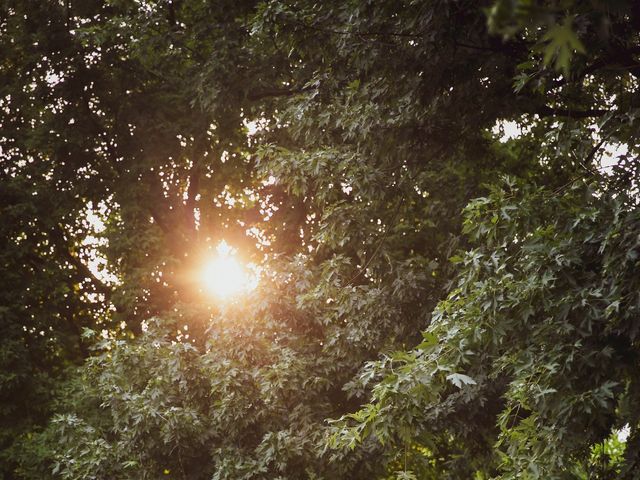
[(439, 296)]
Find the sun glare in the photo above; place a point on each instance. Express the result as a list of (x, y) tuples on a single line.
[(224, 276)]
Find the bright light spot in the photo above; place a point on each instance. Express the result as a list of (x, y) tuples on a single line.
[(224, 276), (508, 130), (252, 127), (623, 433), (611, 153), (95, 240)]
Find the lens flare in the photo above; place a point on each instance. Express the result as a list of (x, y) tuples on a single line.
[(224, 276)]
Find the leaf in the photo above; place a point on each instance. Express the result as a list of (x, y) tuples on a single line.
[(429, 340), (562, 42), (459, 379)]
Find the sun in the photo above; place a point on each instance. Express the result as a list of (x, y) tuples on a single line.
[(224, 277)]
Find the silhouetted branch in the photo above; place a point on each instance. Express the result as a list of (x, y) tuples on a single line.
[(546, 111), (60, 240)]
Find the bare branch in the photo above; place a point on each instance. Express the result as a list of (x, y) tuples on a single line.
[(546, 111), (57, 234)]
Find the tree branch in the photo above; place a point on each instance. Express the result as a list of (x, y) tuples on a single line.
[(60, 241), (623, 58), (158, 220), (546, 111), (359, 33), (277, 92)]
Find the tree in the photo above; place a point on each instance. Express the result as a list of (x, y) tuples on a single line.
[(526, 370), (374, 128)]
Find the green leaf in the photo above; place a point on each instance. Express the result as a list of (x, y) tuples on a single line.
[(459, 379)]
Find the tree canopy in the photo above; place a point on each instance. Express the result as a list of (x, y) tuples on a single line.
[(440, 200)]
